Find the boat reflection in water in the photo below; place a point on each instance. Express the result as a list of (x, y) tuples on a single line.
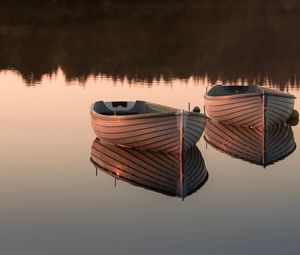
[(166, 173), (259, 146)]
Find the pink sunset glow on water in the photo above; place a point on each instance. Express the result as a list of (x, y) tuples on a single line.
[(49, 183)]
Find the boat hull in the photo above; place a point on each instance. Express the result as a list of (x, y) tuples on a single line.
[(156, 131), (256, 110), (165, 173), (278, 107)]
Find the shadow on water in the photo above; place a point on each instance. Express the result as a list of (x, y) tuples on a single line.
[(147, 40)]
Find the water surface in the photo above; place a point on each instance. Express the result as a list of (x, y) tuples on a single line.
[(52, 202)]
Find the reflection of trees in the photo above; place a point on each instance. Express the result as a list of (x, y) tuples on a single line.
[(151, 40)]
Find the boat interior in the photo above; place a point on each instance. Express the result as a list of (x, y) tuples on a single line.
[(220, 90), (128, 108)]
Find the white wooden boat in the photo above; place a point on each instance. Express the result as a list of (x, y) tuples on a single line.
[(146, 126), (249, 106), (167, 173), (262, 147)]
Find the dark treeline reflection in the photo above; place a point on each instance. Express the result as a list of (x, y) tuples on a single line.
[(149, 40)]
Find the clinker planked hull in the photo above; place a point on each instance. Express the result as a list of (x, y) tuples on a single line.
[(246, 110), (159, 131), (264, 108)]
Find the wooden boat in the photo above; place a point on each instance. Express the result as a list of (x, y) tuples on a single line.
[(167, 173), (146, 126), (249, 106), (262, 147)]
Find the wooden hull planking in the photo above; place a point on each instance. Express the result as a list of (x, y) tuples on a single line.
[(256, 110), (242, 111), (160, 132), (278, 109)]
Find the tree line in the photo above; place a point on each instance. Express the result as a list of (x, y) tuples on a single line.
[(153, 41)]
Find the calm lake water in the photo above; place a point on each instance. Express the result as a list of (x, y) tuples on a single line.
[(51, 200)]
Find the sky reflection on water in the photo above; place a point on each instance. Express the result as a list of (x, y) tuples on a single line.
[(54, 65), (52, 202)]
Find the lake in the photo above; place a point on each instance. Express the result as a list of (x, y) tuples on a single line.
[(52, 68)]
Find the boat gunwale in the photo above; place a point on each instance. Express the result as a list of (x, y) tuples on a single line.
[(222, 97), (174, 112), (268, 92)]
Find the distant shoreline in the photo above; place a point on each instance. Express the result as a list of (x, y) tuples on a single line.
[(152, 41)]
